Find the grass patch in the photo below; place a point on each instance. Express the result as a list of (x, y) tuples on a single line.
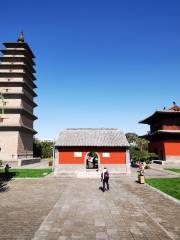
[(177, 170), (171, 186), (29, 173)]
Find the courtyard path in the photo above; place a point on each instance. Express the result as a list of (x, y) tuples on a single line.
[(24, 205), (65, 209), (127, 211)]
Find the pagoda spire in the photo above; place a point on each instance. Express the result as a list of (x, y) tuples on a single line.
[(21, 37)]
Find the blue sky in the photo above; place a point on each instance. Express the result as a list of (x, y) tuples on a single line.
[(100, 63)]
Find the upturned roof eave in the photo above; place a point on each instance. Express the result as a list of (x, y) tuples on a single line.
[(149, 119), (161, 132)]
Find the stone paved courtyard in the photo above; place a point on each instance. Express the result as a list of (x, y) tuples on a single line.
[(65, 209)]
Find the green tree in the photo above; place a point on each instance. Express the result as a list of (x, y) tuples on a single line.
[(142, 144), (47, 149), (132, 138), (136, 141), (43, 149), (139, 148), (37, 150)]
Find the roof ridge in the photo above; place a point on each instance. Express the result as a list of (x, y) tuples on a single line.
[(91, 129)]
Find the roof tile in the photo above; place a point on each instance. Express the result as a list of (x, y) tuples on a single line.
[(107, 137)]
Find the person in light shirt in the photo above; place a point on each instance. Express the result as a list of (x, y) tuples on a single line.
[(105, 179)]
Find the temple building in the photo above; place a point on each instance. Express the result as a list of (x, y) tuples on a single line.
[(91, 149), (164, 135), (16, 100)]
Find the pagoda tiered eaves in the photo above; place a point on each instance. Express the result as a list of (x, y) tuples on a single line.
[(17, 98), (16, 79), (19, 110), (13, 59), (19, 45), (17, 128), (17, 74), (17, 51), (13, 66), (23, 80), (18, 84)]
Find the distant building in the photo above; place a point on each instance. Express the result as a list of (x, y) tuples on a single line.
[(16, 100), (90, 149), (164, 135)]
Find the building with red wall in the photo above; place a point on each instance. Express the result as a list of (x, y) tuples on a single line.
[(90, 149), (164, 135)]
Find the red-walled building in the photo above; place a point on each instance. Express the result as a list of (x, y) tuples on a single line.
[(164, 135), (89, 149)]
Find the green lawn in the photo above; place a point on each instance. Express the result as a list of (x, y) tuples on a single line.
[(29, 173), (177, 170), (171, 186)]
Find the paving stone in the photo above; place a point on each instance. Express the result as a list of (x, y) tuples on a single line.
[(78, 236), (101, 236), (111, 231), (66, 209), (99, 224)]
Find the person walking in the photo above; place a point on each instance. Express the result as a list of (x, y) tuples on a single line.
[(105, 179), (6, 171)]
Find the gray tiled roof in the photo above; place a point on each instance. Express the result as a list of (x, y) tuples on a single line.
[(107, 137)]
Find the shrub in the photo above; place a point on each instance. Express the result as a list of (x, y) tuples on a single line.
[(142, 156)]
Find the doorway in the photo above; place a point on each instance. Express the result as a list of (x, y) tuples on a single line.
[(92, 160)]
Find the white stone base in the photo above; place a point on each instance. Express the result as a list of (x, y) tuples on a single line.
[(89, 175), (172, 159), (26, 161), (80, 171)]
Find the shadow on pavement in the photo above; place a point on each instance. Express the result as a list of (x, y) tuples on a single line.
[(4, 179)]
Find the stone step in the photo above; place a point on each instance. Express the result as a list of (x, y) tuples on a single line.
[(85, 174), (65, 174)]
